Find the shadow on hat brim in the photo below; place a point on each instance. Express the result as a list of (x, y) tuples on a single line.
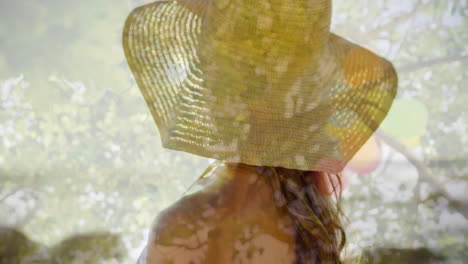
[(324, 120)]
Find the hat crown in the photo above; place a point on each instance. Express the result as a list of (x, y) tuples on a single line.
[(264, 25), (275, 39)]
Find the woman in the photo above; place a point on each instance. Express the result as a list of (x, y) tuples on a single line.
[(251, 214), (280, 102)]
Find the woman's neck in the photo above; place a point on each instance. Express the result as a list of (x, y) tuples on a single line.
[(244, 188)]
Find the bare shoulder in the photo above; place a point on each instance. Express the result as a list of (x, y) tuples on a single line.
[(180, 219), (220, 224), (179, 233), (200, 208)]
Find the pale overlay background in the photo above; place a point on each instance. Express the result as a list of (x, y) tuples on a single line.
[(81, 158)]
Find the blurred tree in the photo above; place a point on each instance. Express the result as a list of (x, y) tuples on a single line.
[(91, 248)]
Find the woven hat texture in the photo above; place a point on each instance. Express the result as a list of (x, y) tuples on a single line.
[(258, 82)]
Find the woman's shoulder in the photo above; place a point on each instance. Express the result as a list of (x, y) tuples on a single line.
[(180, 219), (194, 230), (229, 213), (180, 232)]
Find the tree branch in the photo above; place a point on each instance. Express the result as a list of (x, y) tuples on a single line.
[(424, 64), (424, 172), (10, 193), (397, 21)]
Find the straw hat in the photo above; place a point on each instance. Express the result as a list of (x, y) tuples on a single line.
[(258, 82)]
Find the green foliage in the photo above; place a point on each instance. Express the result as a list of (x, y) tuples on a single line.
[(91, 248)]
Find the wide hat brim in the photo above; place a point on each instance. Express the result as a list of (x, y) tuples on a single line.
[(208, 99)]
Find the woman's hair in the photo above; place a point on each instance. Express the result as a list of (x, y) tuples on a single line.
[(320, 235)]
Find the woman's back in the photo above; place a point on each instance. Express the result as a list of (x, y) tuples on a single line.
[(233, 220)]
